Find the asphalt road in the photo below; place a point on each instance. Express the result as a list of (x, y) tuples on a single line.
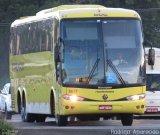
[(105, 127)]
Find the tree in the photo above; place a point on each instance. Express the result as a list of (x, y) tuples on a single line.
[(148, 9)]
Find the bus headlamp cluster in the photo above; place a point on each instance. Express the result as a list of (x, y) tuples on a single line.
[(73, 98), (136, 97)]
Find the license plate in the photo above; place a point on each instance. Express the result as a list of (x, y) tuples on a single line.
[(152, 110), (105, 107)]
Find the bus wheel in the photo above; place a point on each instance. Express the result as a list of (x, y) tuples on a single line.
[(26, 117), (127, 119), (8, 115), (61, 120), (40, 118)]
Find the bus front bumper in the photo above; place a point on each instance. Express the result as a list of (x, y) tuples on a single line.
[(87, 107)]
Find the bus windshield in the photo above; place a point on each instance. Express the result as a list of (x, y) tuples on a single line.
[(152, 82), (102, 52)]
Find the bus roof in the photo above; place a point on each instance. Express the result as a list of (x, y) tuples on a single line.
[(67, 7), (79, 11)]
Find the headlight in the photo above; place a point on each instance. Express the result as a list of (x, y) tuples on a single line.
[(73, 98), (136, 97)]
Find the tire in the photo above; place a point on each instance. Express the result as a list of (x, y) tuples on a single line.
[(61, 120), (7, 115), (40, 118), (26, 117), (127, 119), (52, 105)]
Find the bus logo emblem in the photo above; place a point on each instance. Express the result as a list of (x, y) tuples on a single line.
[(105, 97)]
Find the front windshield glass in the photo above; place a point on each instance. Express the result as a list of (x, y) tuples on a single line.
[(152, 82), (123, 40), (83, 52), (88, 46)]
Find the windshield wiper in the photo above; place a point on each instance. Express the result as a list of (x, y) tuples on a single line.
[(93, 69), (109, 62), (87, 79)]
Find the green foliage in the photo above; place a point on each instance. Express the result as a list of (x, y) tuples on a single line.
[(13, 9), (4, 127), (151, 26)]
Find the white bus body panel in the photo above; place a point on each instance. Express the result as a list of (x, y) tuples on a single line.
[(153, 97)]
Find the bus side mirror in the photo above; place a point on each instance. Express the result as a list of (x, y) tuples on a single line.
[(151, 57)]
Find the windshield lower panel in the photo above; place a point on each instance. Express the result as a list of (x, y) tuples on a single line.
[(88, 46)]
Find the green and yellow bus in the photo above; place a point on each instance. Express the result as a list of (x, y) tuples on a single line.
[(62, 64)]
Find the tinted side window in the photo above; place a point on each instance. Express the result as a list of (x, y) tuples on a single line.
[(33, 37)]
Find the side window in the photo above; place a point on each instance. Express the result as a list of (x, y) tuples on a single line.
[(13, 41), (55, 32), (47, 35), (18, 44), (33, 37)]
